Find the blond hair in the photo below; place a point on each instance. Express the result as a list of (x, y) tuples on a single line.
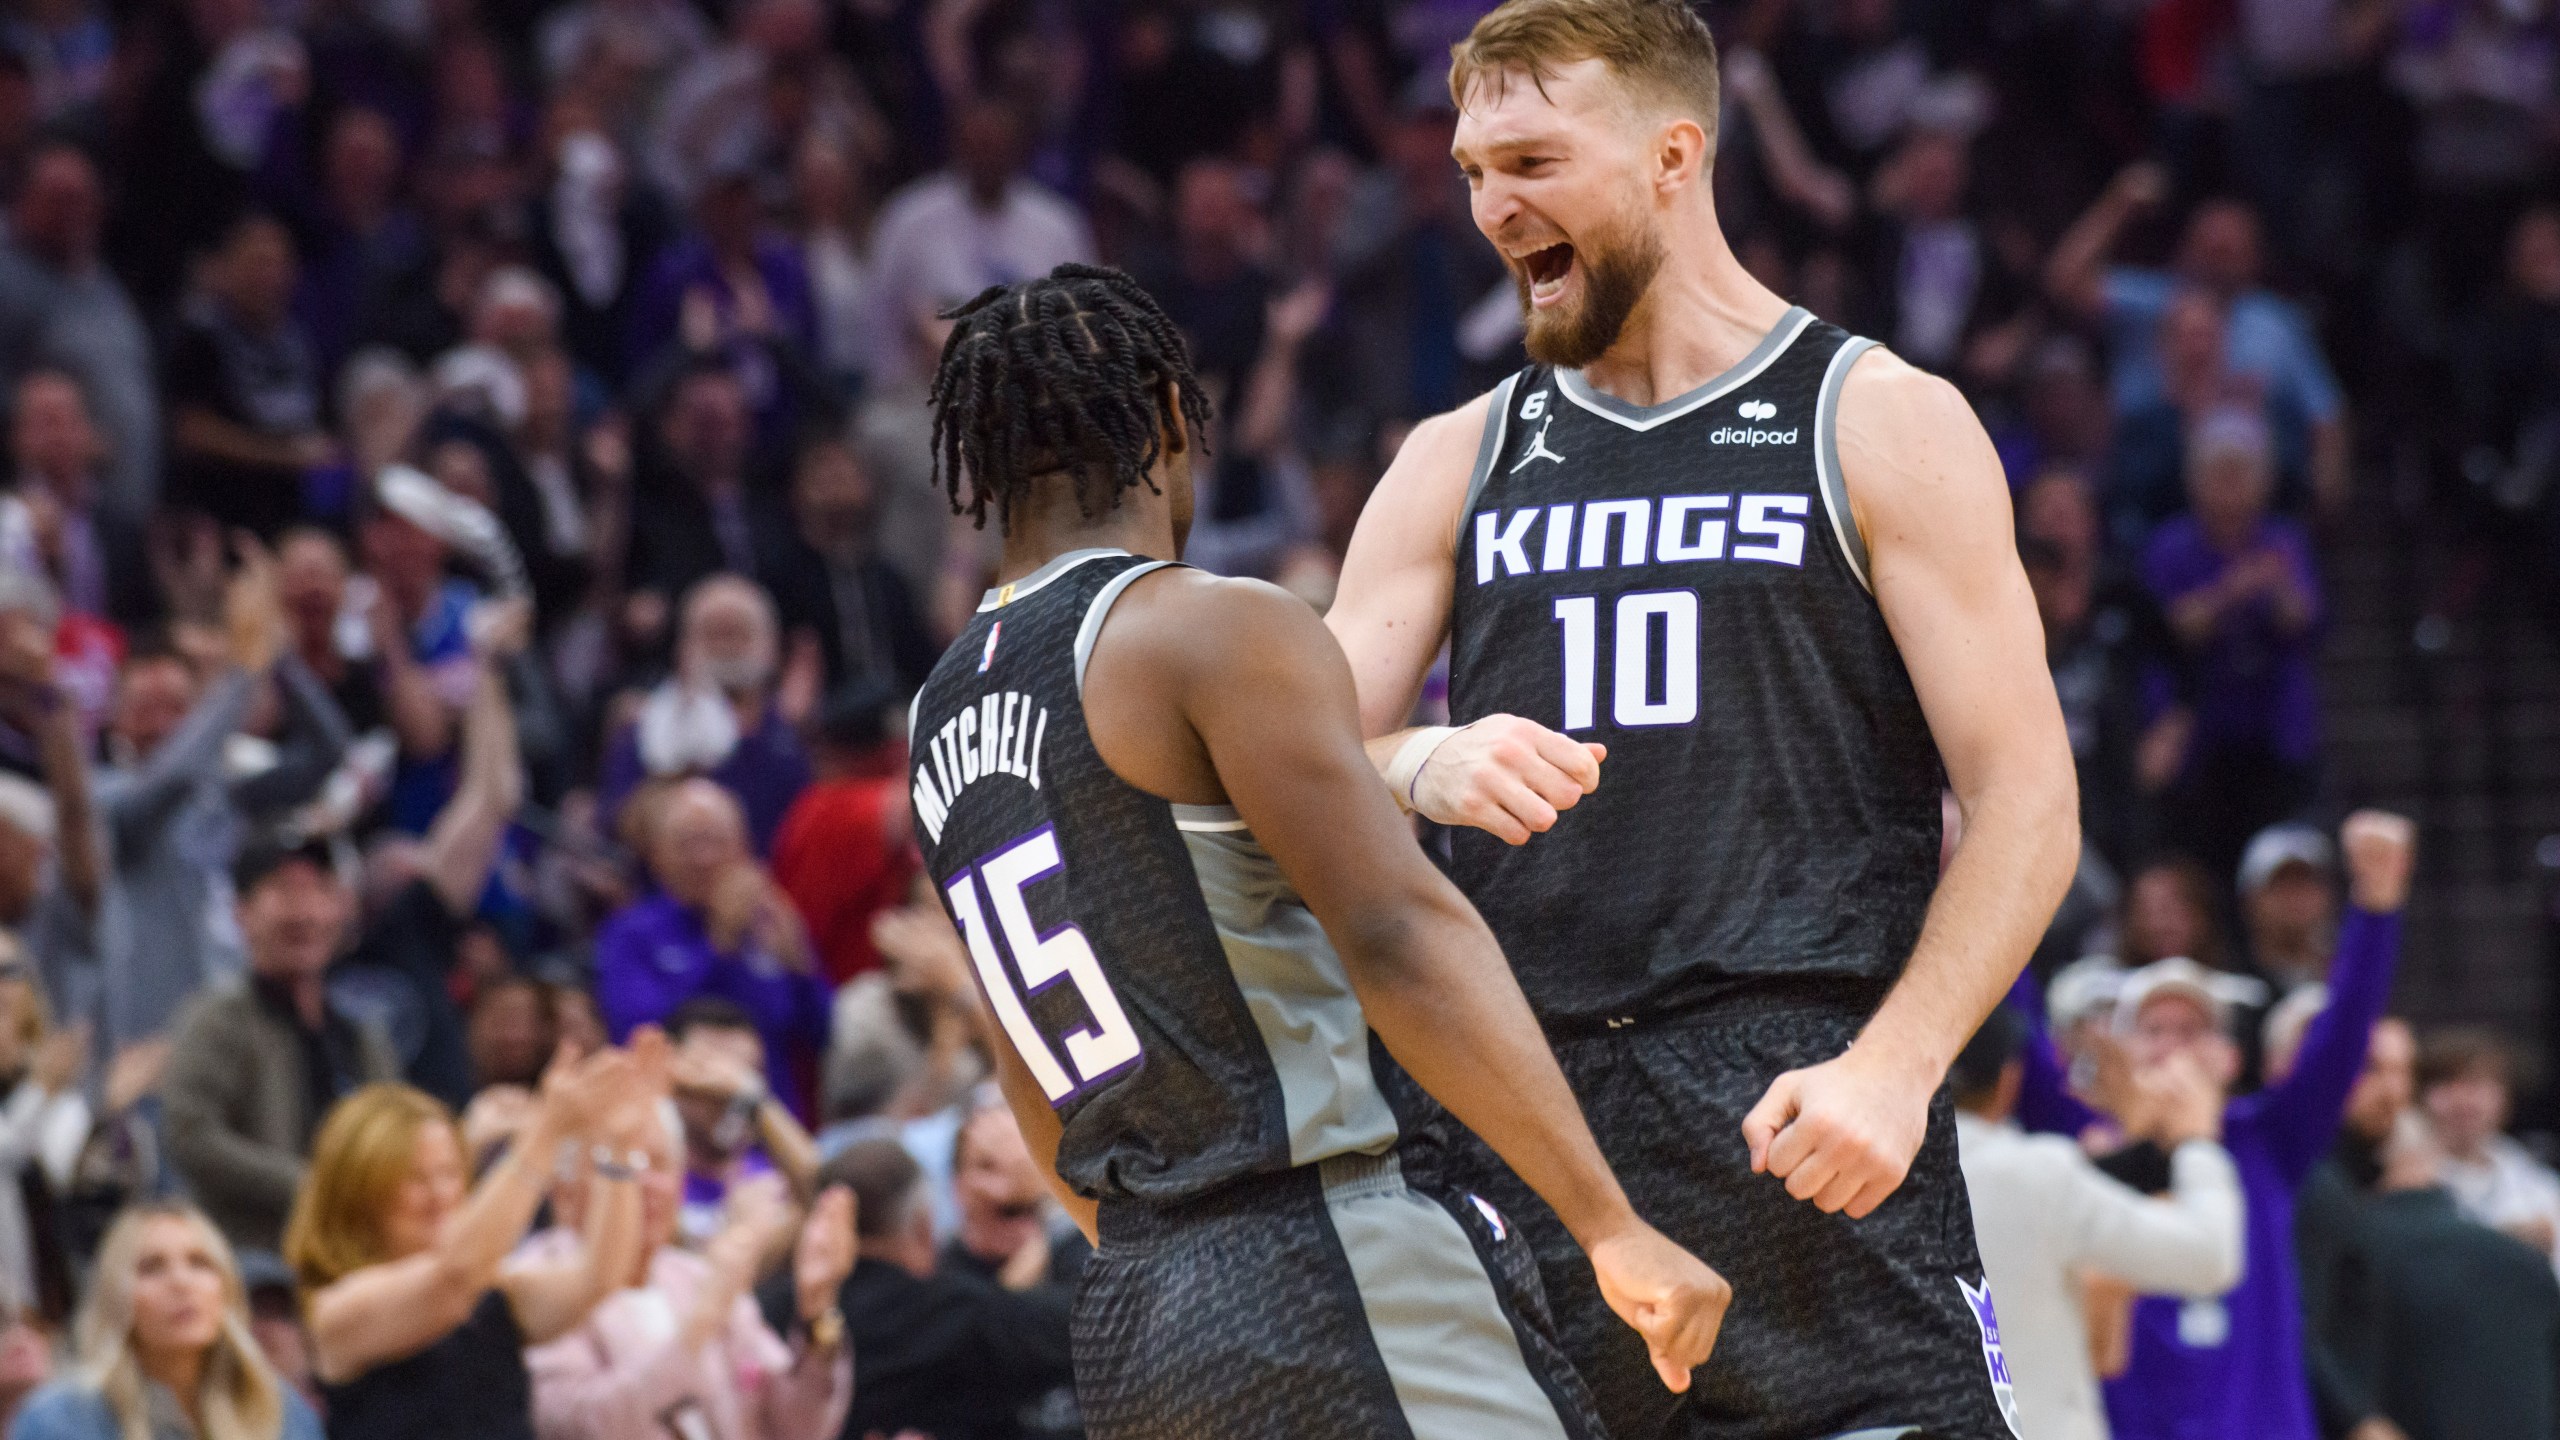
[(239, 1397), (365, 1149), (1658, 47)]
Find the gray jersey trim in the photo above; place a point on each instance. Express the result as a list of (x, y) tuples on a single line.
[(1295, 988), (1101, 606), (1497, 423), (1826, 459), (1025, 587), (1645, 417), (1207, 819), (1449, 1348)]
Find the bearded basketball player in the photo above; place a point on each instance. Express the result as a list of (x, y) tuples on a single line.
[(1764, 570), (1141, 792)]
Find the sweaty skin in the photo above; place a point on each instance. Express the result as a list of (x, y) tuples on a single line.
[(1210, 691), (1567, 160)]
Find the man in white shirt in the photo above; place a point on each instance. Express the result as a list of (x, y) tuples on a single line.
[(2466, 1086), (2047, 1220)]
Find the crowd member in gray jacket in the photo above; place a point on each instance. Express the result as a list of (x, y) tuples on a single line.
[(258, 1062), (174, 800)]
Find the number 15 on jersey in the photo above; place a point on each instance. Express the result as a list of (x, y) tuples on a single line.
[(1098, 1051)]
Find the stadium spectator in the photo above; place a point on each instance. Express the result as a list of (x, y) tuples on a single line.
[(164, 1347), (60, 305), (706, 508), (43, 1123), (2241, 596), (57, 523), (171, 808), (418, 1321), (683, 1335), (2053, 1227), (244, 388), (1012, 1232), (734, 1132), (842, 852), (420, 893), (2269, 343), (2466, 1087), (722, 713), (255, 1065), (2333, 1236), (2234, 1366), (948, 236), (947, 1353), (2289, 905), (833, 583)]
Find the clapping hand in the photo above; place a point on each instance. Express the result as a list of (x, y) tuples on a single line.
[(825, 1253)]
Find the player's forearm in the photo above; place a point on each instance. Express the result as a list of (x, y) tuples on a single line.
[(2020, 844), (1438, 992)]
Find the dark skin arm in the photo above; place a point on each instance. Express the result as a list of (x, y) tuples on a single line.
[(1270, 724)]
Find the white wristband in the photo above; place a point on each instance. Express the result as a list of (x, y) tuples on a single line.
[(1405, 771)]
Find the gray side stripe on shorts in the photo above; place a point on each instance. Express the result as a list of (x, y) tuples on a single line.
[(1449, 1348), (1294, 986)]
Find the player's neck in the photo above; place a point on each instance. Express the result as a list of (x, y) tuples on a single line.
[(1049, 523), (1702, 314)]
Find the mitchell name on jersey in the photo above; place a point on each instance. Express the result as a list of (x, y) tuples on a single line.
[(1000, 735)]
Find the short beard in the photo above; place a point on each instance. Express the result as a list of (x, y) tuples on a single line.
[(1616, 272)]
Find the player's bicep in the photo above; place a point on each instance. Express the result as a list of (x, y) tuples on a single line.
[(1933, 507), (1391, 609), (1272, 703)]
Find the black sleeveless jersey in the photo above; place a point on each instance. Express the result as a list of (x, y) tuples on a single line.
[(1684, 583), (1174, 998)]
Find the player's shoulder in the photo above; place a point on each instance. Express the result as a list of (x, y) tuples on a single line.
[(1442, 448), (1193, 619), (1905, 435)]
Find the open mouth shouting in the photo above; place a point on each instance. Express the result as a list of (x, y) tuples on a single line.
[(1546, 269)]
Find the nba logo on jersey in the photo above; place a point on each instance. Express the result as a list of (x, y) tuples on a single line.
[(987, 656), (2003, 1389)]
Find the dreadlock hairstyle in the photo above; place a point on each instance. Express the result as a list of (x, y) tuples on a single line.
[(1066, 372)]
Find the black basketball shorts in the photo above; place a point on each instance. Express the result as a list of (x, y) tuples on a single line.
[(1333, 1300), (1878, 1327)]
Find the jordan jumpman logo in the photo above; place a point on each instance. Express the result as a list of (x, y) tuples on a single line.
[(1538, 449)]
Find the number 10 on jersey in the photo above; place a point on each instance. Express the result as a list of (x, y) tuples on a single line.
[(1099, 1051), (1636, 698)]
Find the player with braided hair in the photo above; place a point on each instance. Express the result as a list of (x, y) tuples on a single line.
[(1141, 792), (1080, 365)]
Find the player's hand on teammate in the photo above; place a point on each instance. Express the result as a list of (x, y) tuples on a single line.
[(1841, 1133), (1675, 1300), (1506, 775)]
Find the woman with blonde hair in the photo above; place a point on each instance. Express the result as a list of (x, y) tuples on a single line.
[(165, 1350), (418, 1321)]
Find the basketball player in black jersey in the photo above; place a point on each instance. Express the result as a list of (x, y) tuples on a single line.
[(1142, 794), (1765, 571)]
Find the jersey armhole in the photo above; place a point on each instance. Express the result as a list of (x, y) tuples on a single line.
[(1497, 425), (1826, 459), (1095, 613)]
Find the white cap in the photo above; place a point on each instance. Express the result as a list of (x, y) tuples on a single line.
[(2277, 846), (2084, 988), (2178, 975)]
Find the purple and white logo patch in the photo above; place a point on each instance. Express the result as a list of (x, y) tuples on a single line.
[(2003, 1390)]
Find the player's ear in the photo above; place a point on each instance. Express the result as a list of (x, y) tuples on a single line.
[(1680, 153), (1177, 434)]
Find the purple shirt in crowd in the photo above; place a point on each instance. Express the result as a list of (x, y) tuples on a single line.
[(766, 771), (654, 955), (2253, 683), (2231, 1369)]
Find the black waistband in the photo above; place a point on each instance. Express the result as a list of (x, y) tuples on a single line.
[(1843, 1002)]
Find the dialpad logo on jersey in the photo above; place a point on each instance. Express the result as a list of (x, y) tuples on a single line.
[(2003, 1389), (1749, 433)]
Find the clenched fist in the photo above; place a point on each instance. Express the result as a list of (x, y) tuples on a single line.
[(1841, 1133), (1506, 775), (2380, 848), (1671, 1297)]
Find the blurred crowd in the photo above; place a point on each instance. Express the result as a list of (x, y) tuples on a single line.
[(469, 539)]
